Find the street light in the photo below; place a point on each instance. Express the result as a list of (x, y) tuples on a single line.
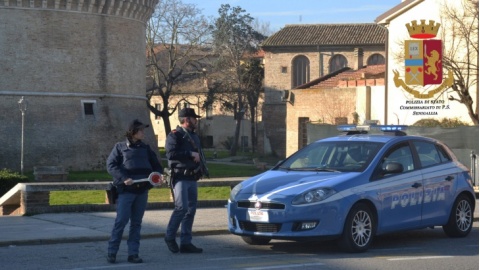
[(22, 104)]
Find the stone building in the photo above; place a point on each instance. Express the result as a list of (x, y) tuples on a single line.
[(80, 66), (298, 54), (346, 96)]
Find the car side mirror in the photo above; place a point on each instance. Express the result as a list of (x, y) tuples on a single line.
[(393, 167)]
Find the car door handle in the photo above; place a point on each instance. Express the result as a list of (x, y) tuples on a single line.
[(416, 185), (449, 178)]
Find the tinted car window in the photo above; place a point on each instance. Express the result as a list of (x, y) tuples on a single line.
[(400, 154), (427, 153), (444, 157)]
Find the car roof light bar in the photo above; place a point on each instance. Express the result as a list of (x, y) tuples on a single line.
[(393, 128), (363, 129)]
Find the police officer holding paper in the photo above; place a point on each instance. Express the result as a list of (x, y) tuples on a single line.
[(184, 156)]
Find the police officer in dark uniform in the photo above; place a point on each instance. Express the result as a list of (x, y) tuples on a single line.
[(130, 160), (183, 153)]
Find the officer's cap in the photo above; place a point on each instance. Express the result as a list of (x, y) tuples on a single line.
[(136, 125), (188, 112)]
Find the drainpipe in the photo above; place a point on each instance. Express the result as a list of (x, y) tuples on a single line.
[(385, 120)]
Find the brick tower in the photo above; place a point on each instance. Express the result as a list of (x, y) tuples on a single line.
[(80, 66)]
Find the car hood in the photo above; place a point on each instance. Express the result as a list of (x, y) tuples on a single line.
[(273, 184)]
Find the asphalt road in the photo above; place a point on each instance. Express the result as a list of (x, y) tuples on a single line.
[(420, 249)]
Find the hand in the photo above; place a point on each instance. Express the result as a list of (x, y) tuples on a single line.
[(196, 157), (128, 182)]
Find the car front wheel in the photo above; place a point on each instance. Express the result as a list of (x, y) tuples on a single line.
[(252, 240), (461, 218), (359, 229)]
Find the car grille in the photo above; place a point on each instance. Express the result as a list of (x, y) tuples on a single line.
[(265, 205), (260, 227)]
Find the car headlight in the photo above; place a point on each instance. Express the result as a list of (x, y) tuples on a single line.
[(234, 191), (313, 196)]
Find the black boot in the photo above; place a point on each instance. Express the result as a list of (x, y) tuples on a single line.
[(190, 248), (134, 259)]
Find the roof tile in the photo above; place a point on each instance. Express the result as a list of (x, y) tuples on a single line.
[(327, 34)]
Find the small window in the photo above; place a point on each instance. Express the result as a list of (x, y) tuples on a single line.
[(376, 59), (337, 62), (444, 157), (300, 70), (88, 107), (284, 69)]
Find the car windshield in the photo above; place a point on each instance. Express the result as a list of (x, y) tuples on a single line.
[(341, 156)]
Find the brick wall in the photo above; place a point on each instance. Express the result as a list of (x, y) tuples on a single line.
[(59, 60), (283, 133), (320, 106)]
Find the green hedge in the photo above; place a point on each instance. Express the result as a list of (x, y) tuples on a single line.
[(9, 179)]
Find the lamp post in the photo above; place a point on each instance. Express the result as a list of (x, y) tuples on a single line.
[(22, 104)]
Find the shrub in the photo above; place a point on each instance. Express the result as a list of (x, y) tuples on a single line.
[(9, 179)]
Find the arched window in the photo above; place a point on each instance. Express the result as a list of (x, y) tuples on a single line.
[(300, 70), (337, 62), (376, 59)]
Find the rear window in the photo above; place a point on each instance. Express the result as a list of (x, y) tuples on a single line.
[(430, 154)]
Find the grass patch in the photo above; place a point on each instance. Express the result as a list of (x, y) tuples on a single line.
[(155, 195)]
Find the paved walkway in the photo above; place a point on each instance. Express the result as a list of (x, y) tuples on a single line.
[(96, 226)]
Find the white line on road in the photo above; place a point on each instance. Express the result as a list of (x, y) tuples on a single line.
[(283, 266), (419, 258)]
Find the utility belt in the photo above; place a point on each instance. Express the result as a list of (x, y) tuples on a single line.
[(186, 172), (190, 173)]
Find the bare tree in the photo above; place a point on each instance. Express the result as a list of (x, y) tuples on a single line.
[(460, 28), (176, 37)]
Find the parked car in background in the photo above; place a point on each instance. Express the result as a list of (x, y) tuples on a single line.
[(370, 180)]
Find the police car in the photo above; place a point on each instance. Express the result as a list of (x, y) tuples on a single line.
[(352, 187)]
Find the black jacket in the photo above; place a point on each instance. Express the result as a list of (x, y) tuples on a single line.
[(132, 160), (179, 150)]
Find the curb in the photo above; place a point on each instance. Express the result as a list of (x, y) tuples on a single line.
[(97, 238)]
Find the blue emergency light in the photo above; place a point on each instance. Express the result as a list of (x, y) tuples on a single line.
[(362, 129), (386, 128)]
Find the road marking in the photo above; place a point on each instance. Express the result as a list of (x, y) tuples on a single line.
[(254, 257), (419, 258), (283, 266)]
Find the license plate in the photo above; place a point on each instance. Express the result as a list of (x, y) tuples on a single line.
[(258, 215)]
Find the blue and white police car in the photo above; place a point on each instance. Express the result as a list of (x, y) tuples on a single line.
[(353, 187)]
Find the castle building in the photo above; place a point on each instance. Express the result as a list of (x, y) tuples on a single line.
[(80, 68)]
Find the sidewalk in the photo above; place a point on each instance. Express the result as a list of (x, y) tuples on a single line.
[(96, 226)]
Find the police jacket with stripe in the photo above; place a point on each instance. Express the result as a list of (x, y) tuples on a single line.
[(132, 160)]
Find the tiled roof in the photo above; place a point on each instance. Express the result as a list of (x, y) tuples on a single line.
[(327, 34), (368, 75)]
